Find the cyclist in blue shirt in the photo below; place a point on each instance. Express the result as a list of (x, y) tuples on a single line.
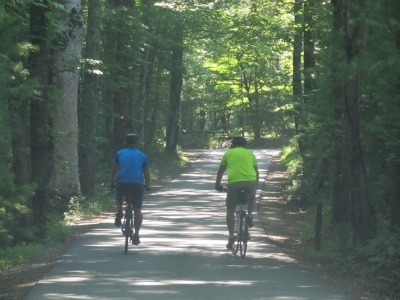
[(131, 175)]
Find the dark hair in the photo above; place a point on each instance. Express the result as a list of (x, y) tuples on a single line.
[(132, 139), (238, 141)]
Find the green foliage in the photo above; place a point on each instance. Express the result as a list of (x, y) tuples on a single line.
[(245, 62), (308, 232), (56, 231), (83, 207), (301, 191), (13, 256), (166, 166), (194, 141), (222, 139), (376, 262), (14, 211), (383, 256), (291, 159)]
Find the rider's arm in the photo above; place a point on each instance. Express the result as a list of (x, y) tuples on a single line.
[(220, 173), (257, 173), (114, 172)]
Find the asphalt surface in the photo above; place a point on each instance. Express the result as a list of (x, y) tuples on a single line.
[(182, 254)]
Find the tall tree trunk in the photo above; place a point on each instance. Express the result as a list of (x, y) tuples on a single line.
[(309, 47), (299, 119), (350, 25), (145, 72), (155, 104), (257, 113), (341, 207), (394, 169), (65, 120), (125, 77), (362, 219), (40, 129), (143, 92), (90, 96), (175, 90), (109, 41), (123, 100)]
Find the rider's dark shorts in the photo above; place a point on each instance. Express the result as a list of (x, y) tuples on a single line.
[(132, 192), (232, 196)]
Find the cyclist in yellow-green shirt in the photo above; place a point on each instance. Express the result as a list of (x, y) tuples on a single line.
[(241, 164)]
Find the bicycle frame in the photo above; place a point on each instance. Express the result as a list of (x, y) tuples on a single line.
[(241, 225), (127, 226)]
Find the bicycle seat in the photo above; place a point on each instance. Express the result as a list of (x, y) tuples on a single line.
[(243, 195)]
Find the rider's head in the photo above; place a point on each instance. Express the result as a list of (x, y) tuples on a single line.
[(132, 140), (238, 142)]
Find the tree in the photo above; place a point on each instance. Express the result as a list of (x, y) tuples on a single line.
[(65, 76), (89, 99), (175, 89), (120, 56), (41, 154), (351, 28)]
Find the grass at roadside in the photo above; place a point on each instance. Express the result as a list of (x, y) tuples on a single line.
[(10, 257)]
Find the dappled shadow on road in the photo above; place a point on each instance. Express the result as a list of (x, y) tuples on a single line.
[(182, 255)]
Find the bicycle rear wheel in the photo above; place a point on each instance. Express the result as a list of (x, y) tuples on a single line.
[(243, 235), (127, 234)]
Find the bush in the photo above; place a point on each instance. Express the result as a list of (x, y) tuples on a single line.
[(383, 256), (12, 256), (194, 140)]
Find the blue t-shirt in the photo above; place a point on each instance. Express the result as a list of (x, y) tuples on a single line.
[(131, 162)]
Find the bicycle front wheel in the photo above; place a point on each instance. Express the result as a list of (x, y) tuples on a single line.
[(235, 246), (128, 222), (243, 247), (127, 234)]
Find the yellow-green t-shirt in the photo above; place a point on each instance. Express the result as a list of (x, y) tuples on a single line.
[(240, 163)]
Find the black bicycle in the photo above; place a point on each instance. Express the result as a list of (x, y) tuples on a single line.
[(127, 226), (241, 225)]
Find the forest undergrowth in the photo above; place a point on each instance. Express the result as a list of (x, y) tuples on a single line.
[(368, 270)]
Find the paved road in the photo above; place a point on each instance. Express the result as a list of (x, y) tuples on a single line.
[(182, 255)]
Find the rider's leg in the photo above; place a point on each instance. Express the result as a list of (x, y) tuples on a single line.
[(250, 205), (230, 220), (250, 208), (251, 202), (231, 201), (137, 224), (119, 199), (252, 187), (138, 220), (118, 204)]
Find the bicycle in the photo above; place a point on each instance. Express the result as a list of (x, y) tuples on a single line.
[(127, 226), (241, 234), (241, 225)]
